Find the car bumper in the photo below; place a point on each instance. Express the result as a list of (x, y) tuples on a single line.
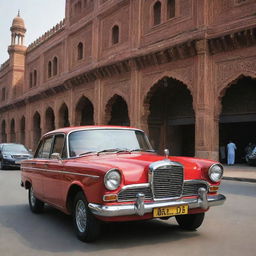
[(203, 201), (11, 163)]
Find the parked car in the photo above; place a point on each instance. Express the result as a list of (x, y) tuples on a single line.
[(11, 155), (111, 173)]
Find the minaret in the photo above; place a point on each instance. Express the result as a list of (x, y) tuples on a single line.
[(17, 52)]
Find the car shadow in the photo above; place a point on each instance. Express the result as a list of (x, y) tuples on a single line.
[(52, 231)]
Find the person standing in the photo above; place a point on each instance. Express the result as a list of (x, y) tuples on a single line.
[(231, 147)]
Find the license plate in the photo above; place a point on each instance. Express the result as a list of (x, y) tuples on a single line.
[(170, 211), (17, 162)]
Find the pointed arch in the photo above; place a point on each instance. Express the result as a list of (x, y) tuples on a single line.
[(84, 112), (115, 34), (3, 132), (169, 116), (22, 130), (12, 131), (49, 119), (116, 111), (37, 132), (64, 116)]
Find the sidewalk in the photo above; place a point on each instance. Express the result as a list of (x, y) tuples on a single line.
[(240, 172)]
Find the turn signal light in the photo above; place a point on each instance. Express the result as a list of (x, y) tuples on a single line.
[(110, 198), (213, 188)]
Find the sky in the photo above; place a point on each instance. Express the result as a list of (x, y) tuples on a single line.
[(39, 16)]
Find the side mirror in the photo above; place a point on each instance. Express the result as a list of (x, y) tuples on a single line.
[(56, 156)]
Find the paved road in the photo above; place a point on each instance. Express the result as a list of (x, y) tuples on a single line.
[(227, 230)]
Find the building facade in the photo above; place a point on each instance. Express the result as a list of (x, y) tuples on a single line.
[(182, 70)]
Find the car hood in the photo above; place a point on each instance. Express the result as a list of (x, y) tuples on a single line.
[(134, 166)]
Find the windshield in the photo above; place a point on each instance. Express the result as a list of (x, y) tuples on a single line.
[(15, 148), (81, 142)]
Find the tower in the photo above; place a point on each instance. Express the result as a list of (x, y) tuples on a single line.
[(17, 53)]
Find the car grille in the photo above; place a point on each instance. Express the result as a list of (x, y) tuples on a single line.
[(20, 157), (192, 189), (129, 194), (167, 183)]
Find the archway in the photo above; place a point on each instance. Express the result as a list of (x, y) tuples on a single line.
[(63, 116), (171, 119), (117, 112), (84, 112), (37, 129), (22, 130), (49, 119), (3, 132), (238, 116), (12, 131)]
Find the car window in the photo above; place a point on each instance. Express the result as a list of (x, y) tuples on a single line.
[(58, 144), (44, 148)]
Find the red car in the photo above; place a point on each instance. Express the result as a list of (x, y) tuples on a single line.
[(111, 173)]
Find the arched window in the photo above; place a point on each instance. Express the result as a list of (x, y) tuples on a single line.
[(170, 9), (80, 51), (35, 78), (30, 79), (157, 13), (115, 34), (49, 69), (55, 66)]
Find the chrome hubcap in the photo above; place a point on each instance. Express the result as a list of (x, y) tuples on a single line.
[(81, 216), (32, 197)]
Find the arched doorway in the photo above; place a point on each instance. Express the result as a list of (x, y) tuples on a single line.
[(171, 119), (22, 130), (84, 112), (63, 116), (37, 129), (117, 112), (238, 116), (12, 131), (49, 119), (3, 132)]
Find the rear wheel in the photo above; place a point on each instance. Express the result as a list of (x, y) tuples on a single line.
[(87, 227), (190, 221), (36, 205)]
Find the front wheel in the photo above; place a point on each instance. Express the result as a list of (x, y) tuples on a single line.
[(87, 227), (36, 205), (190, 221)]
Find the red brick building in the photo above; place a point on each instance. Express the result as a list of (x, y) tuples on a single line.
[(184, 71)]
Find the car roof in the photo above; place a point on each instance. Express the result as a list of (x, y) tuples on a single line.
[(67, 130)]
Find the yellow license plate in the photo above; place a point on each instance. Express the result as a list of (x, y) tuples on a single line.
[(170, 211)]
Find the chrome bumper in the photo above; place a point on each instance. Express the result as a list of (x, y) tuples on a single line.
[(140, 207)]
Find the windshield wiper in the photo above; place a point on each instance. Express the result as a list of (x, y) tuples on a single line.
[(88, 152), (116, 150), (140, 149)]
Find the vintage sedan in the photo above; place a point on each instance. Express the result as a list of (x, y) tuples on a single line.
[(111, 173)]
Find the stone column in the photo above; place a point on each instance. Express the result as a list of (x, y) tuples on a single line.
[(206, 128), (99, 111)]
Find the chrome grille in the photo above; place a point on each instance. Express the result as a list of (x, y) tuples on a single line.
[(130, 194), (167, 182), (192, 189)]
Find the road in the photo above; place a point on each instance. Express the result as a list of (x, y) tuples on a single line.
[(227, 230)]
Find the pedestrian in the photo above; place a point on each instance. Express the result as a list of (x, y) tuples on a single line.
[(231, 147)]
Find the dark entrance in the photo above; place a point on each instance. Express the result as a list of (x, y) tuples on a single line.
[(171, 120), (238, 117), (84, 112), (117, 110)]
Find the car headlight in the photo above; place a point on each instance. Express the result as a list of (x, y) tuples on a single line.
[(112, 179), (215, 172)]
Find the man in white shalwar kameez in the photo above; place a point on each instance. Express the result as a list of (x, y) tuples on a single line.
[(231, 147)]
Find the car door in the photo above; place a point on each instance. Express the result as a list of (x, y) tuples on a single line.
[(37, 166), (53, 185)]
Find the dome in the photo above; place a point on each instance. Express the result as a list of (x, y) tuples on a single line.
[(18, 23)]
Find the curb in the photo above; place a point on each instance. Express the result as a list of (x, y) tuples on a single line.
[(240, 179)]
